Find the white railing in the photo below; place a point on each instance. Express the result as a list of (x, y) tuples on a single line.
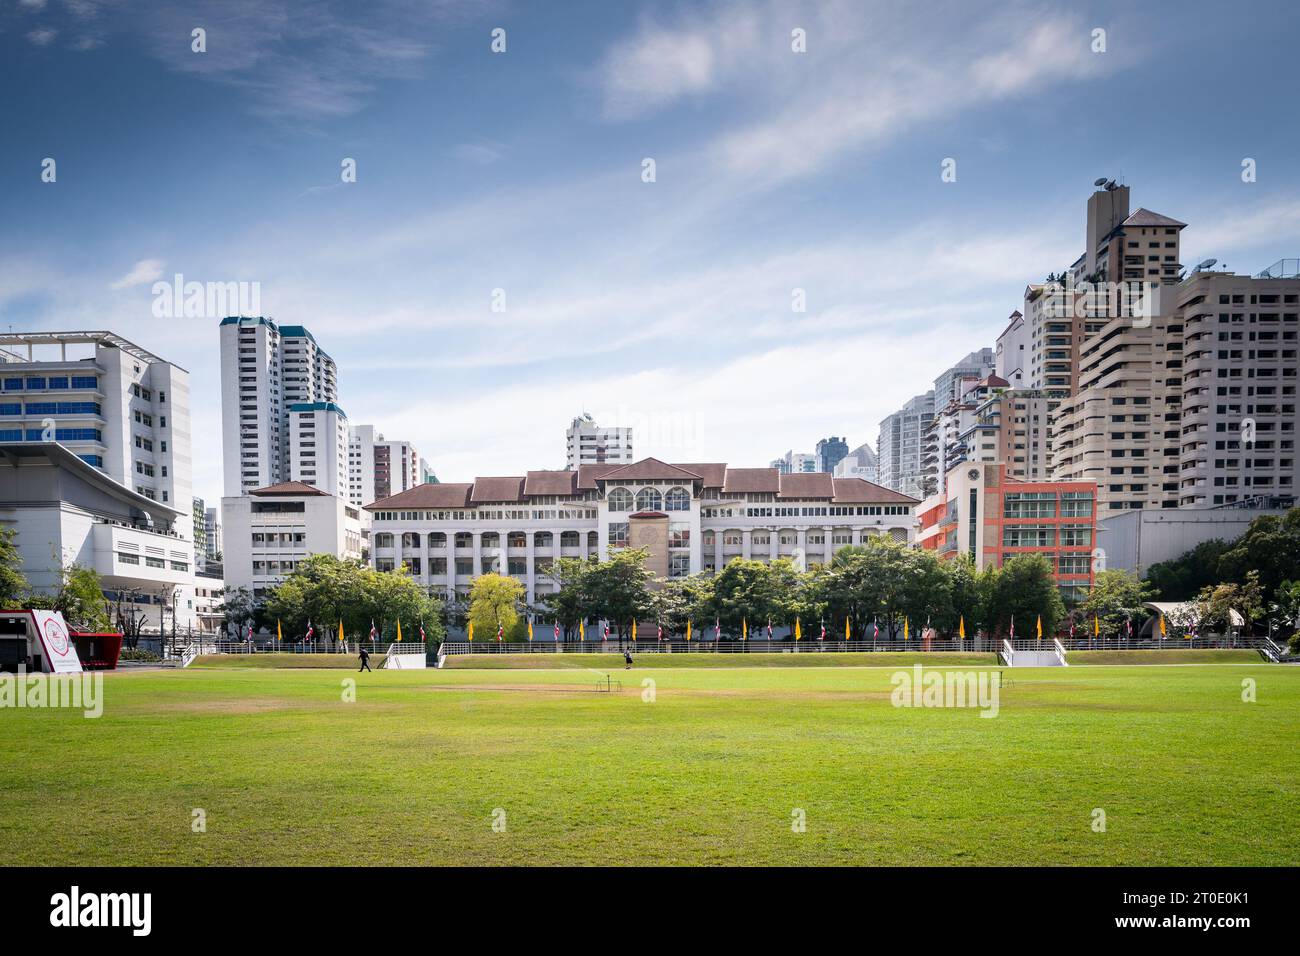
[(1060, 651), (1008, 653), (188, 654)]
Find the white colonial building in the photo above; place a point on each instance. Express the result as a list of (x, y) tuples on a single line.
[(691, 517)]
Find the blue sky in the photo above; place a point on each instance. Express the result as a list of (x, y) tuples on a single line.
[(664, 305)]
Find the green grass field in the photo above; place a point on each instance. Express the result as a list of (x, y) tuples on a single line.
[(710, 772)]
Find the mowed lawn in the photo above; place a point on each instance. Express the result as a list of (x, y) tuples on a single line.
[(713, 770)]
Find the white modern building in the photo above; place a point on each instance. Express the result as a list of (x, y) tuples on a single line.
[(587, 443), (898, 447), (691, 517), (212, 521), (796, 463), (861, 462), (380, 467), (270, 530), (318, 446), (266, 370), (65, 511)]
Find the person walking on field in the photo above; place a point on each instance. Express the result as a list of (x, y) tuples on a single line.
[(365, 661), (627, 656)]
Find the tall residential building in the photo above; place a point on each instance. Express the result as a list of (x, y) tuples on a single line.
[(427, 476), (379, 467), (1012, 352), (212, 521), (587, 443), (266, 370), (200, 533), (861, 462), (1237, 428), (898, 447), (795, 463), (950, 385), (318, 446), (830, 452)]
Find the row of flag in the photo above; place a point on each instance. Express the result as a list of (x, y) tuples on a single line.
[(311, 632)]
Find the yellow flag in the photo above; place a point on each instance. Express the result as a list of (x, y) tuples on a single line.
[(905, 628), (399, 630), (279, 635), (582, 630), (1096, 626), (341, 639), (848, 628), (1162, 625), (471, 630), (1040, 626), (961, 627), (688, 630), (744, 628), (798, 631), (634, 629), (530, 630)]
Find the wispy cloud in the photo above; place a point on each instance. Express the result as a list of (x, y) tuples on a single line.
[(142, 273)]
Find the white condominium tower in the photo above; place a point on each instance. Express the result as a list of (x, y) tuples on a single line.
[(379, 467), (268, 374), (590, 444)]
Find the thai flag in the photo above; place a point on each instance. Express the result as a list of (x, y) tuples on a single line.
[(373, 633), (557, 630), (717, 629), (421, 631), (606, 636), (501, 631), (661, 632), (250, 632), (310, 631), (769, 629), (823, 634)]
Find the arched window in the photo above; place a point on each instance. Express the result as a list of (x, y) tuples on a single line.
[(383, 540), (568, 539), (410, 539), (437, 539), (542, 539), (620, 499), (677, 499), (648, 499), (491, 539)]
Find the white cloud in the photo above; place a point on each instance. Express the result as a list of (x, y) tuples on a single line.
[(42, 37), (143, 272)]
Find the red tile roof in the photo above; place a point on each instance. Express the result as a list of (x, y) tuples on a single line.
[(752, 480), (806, 485), (587, 475), (497, 489), (290, 488), (855, 491), (650, 469), (550, 483), (713, 473), (444, 495)]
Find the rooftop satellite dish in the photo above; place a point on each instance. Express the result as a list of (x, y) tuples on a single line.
[(1204, 264), (1111, 184), (1100, 182)]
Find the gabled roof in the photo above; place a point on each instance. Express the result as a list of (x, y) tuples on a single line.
[(806, 485), (752, 480), (859, 491), (497, 489), (550, 483), (587, 475), (444, 495), (650, 469), (1145, 217), (713, 473), (289, 488)]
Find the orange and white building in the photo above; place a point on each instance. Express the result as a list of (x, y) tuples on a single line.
[(993, 517)]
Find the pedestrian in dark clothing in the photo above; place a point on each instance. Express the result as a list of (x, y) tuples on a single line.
[(365, 661), (627, 656)]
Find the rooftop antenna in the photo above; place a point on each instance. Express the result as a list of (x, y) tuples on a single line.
[(1099, 182)]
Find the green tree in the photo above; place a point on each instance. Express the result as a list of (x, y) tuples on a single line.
[(1182, 578), (886, 582), (494, 601), (1270, 547), (619, 589), (754, 592), (1214, 604), (238, 610), (81, 599), (13, 583), (1116, 596), (969, 591), (571, 601), (679, 600), (1025, 589)]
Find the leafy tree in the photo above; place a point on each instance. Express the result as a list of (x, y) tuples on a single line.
[(1285, 611), (969, 591), (494, 601), (79, 598), (1270, 547), (619, 589), (882, 581), (238, 610), (1025, 589), (1182, 578), (571, 601), (325, 590), (680, 600), (1215, 604), (13, 583), (1116, 596), (754, 592)]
